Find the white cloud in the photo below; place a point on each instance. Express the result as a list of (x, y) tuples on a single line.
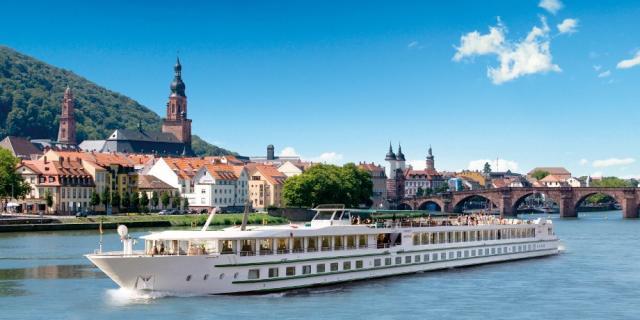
[(629, 63), (568, 26), (604, 74), (288, 152), (499, 165), (597, 67), (529, 56), (612, 162), (328, 157), (583, 162), (417, 164), (413, 44), (552, 6), (632, 176)]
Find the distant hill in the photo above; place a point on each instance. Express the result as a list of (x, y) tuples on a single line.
[(31, 93)]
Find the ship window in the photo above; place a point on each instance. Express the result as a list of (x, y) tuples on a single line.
[(443, 256), (493, 250), (291, 271), (499, 250), (254, 274), (206, 276), (273, 272), (450, 236), (466, 253), (387, 261), (306, 269), (416, 239), (189, 278), (326, 243), (473, 252), (407, 259), (359, 264), (320, 268), (362, 241), (377, 262), (459, 254), (346, 265), (398, 260), (434, 257), (337, 243), (334, 266), (311, 245), (417, 258), (451, 253)]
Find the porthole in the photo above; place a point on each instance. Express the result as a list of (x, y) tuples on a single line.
[(221, 276), (189, 278), (206, 276)]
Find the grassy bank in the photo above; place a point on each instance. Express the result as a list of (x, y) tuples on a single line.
[(185, 220)]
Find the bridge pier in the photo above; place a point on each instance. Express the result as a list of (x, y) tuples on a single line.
[(629, 205), (567, 206), (506, 208)]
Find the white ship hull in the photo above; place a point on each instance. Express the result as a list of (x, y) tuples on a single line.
[(228, 273)]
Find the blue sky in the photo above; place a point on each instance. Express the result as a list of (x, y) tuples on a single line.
[(337, 80)]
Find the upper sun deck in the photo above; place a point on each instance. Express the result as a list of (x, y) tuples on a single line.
[(335, 220)]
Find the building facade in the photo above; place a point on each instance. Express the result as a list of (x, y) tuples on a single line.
[(379, 182), (265, 186)]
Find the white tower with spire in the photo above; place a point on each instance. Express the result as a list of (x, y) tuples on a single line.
[(393, 162)]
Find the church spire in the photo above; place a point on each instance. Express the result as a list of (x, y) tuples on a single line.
[(177, 86), (430, 160), (400, 155), (67, 129), (390, 154)]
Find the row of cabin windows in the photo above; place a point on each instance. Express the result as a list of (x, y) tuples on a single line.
[(250, 247), (290, 271), (422, 238)]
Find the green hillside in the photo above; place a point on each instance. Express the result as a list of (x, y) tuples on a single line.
[(31, 94)]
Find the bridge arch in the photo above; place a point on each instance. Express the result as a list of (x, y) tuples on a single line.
[(520, 198), (431, 205), (458, 206), (404, 206), (580, 198)]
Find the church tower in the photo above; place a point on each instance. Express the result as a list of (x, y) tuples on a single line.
[(176, 121), (430, 160), (67, 129)]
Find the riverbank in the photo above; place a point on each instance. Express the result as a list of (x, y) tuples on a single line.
[(132, 221)]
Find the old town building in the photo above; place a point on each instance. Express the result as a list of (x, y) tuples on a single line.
[(378, 180), (265, 186)]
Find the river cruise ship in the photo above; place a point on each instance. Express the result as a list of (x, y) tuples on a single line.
[(338, 245)]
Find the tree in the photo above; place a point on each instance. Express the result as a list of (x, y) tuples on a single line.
[(115, 199), (419, 192), (164, 199), (135, 202), (175, 202), (487, 168), (185, 204), (105, 197), (322, 184), (144, 202), (155, 199), (48, 199), (611, 182), (12, 184), (539, 174), (126, 201), (95, 200)]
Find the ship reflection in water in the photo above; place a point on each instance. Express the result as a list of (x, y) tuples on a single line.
[(73, 271)]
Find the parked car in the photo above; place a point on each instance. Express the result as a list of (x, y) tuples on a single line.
[(168, 212)]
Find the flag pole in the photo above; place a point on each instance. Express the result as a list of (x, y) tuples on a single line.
[(100, 230)]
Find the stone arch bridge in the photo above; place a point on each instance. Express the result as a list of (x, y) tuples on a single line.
[(508, 199)]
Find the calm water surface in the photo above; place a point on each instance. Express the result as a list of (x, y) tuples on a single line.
[(44, 275)]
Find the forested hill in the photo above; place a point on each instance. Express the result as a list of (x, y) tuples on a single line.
[(31, 93)]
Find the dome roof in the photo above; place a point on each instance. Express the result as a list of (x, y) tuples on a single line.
[(400, 155), (390, 154)]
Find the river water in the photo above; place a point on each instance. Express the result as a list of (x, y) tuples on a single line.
[(44, 276)]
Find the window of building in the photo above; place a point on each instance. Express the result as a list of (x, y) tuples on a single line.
[(346, 265), (320, 268), (387, 261), (377, 262), (306, 269), (451, 254), (407, 259), (417, 258), (291, 271), (359, 264), (459, 254), (254, 274), (273, 272), (398, 260), (334, 266)]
